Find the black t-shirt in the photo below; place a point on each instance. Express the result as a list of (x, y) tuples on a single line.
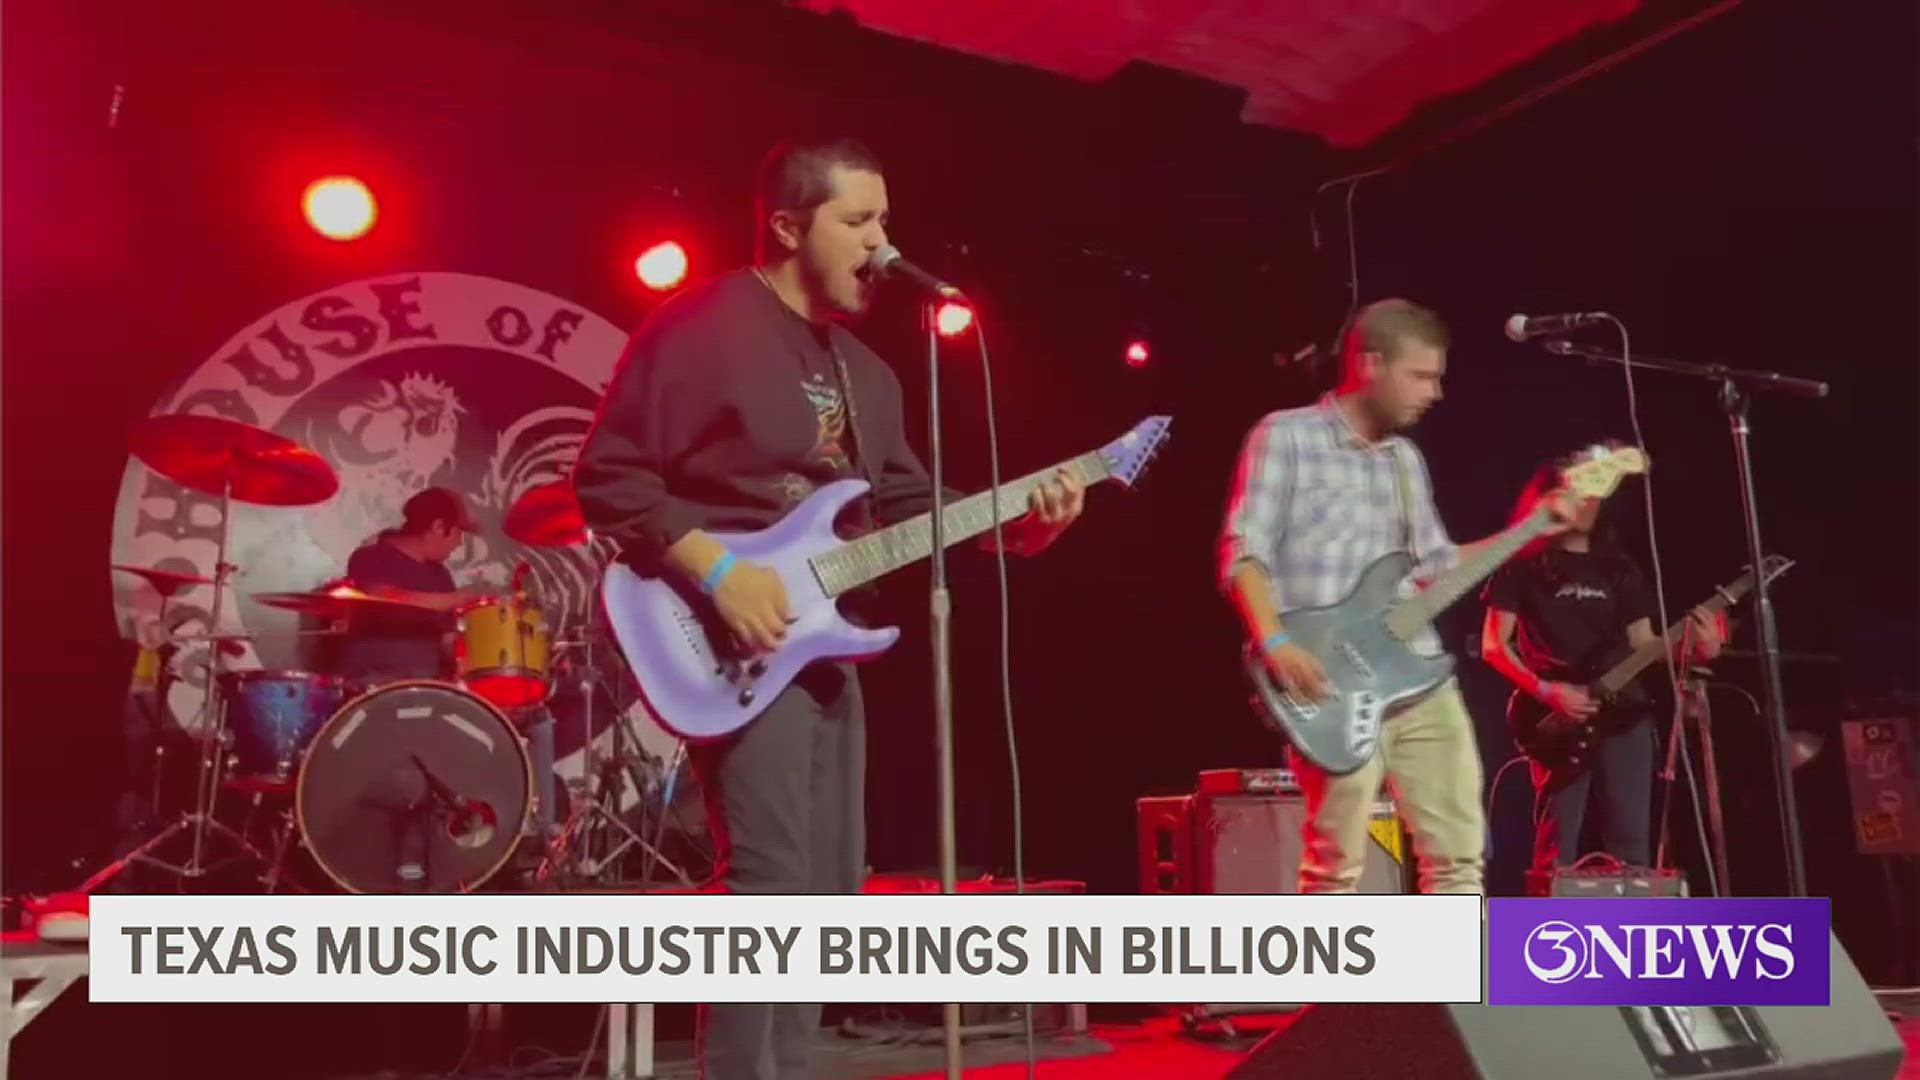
[(400, 644), (1572, 609), (727, 410)]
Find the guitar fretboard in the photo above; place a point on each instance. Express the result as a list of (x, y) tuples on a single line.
[(883, 551), (1626, 670), (1414, 613)]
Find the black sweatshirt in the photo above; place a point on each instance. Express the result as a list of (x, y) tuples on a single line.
[(727, 410)]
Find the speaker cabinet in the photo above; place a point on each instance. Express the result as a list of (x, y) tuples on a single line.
[(1246, 844), (1851, 1039)]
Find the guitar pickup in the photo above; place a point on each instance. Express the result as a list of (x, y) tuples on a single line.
[(1358, 659), (1306, 710)]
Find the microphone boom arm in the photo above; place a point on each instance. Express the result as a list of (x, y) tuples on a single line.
[(1743, 377)]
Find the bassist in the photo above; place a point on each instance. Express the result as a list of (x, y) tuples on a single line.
[(1557, 616), (1322, 493)]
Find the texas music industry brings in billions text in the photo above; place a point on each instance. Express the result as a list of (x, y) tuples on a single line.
[(679, 950)]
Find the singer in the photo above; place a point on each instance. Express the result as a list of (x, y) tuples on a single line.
[(732, 403)]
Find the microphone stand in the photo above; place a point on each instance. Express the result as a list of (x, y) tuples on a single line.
[(1735, 383), (940, 610)]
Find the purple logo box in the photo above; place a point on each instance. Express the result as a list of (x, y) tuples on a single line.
[(1665, 951)]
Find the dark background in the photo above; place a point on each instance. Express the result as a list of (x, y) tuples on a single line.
[(1741, 194)]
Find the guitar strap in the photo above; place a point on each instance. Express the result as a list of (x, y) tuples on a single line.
[(862, 460), (1403, 499)]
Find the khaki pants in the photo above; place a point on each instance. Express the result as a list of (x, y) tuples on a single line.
[(1429, 752)]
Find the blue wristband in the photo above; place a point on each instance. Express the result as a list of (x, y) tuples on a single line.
[(1274, 640), (720, 567)]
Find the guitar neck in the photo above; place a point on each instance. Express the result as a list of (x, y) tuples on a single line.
[(1411, 615), (1637, 661), (883, 551)]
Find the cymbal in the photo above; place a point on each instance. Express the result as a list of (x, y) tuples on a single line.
[(205, 452), (337, 601), (546, 516), (165, 582)]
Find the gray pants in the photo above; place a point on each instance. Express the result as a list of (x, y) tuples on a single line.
[(536, 725), (786, 805)]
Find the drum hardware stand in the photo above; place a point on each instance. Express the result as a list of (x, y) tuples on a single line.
[(282, 844), (669, 780), (606, 785), (602, 782), (163, 680), (212, 719)]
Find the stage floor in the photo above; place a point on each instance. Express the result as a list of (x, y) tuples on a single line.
[(405, 1042)]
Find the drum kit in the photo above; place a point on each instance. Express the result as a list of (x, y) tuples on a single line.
[(411, 786)]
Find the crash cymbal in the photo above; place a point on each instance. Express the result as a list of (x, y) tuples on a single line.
[(338, 601), (165, 582), (546, 516), (205, 452)]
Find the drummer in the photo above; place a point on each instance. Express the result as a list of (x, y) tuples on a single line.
[(409, 564)]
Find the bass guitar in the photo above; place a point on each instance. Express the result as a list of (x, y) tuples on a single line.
[(1554, 739), (699, 686), (1362, 642)]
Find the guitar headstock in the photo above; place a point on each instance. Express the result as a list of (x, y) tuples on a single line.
[(1775, 566), (1600, 469), (1127, 456)]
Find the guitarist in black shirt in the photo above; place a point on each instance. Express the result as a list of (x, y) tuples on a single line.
[(1558, 616)]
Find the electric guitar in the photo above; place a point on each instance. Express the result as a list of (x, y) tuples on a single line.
[(697, 683), (1555, 739), (1362, 642)]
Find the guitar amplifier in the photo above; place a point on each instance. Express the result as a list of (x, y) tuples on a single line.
[(1241, 833), (1610, 880)]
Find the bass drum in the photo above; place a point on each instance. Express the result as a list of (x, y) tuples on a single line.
[(416, 787)]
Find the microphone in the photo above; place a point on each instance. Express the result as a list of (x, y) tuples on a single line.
[(888, 262), (1528, 327)]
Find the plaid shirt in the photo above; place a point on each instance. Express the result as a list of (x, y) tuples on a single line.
[(1315, 504)]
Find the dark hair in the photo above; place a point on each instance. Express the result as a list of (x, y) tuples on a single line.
[(797, 177), (1602, 540), (433, 505), (1385, 325)]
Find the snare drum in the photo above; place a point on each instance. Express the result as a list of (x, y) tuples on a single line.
[(503, 652), (271, 717), (414, 787)]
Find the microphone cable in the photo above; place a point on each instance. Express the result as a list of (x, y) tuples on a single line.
[(1006, 653), (1674, 673)]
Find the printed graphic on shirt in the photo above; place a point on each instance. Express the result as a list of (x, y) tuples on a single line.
[(1578, 591), (830, 408), (794, 489)]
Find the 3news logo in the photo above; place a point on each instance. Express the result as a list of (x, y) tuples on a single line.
[(1668, 951)]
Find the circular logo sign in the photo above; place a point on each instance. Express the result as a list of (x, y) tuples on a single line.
[(400, 382), (1555, 952)]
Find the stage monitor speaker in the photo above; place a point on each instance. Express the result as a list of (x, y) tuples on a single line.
[(1851, 1039), (1252, 844), (1242, 844)]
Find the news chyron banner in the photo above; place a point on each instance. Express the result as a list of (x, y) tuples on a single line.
[(965, 948)]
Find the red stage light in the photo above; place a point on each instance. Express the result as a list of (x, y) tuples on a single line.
[(662, 266), (339, 207), (1137, 353), (952, 320)]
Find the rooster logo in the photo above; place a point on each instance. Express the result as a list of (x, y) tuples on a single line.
[(387, 447)]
